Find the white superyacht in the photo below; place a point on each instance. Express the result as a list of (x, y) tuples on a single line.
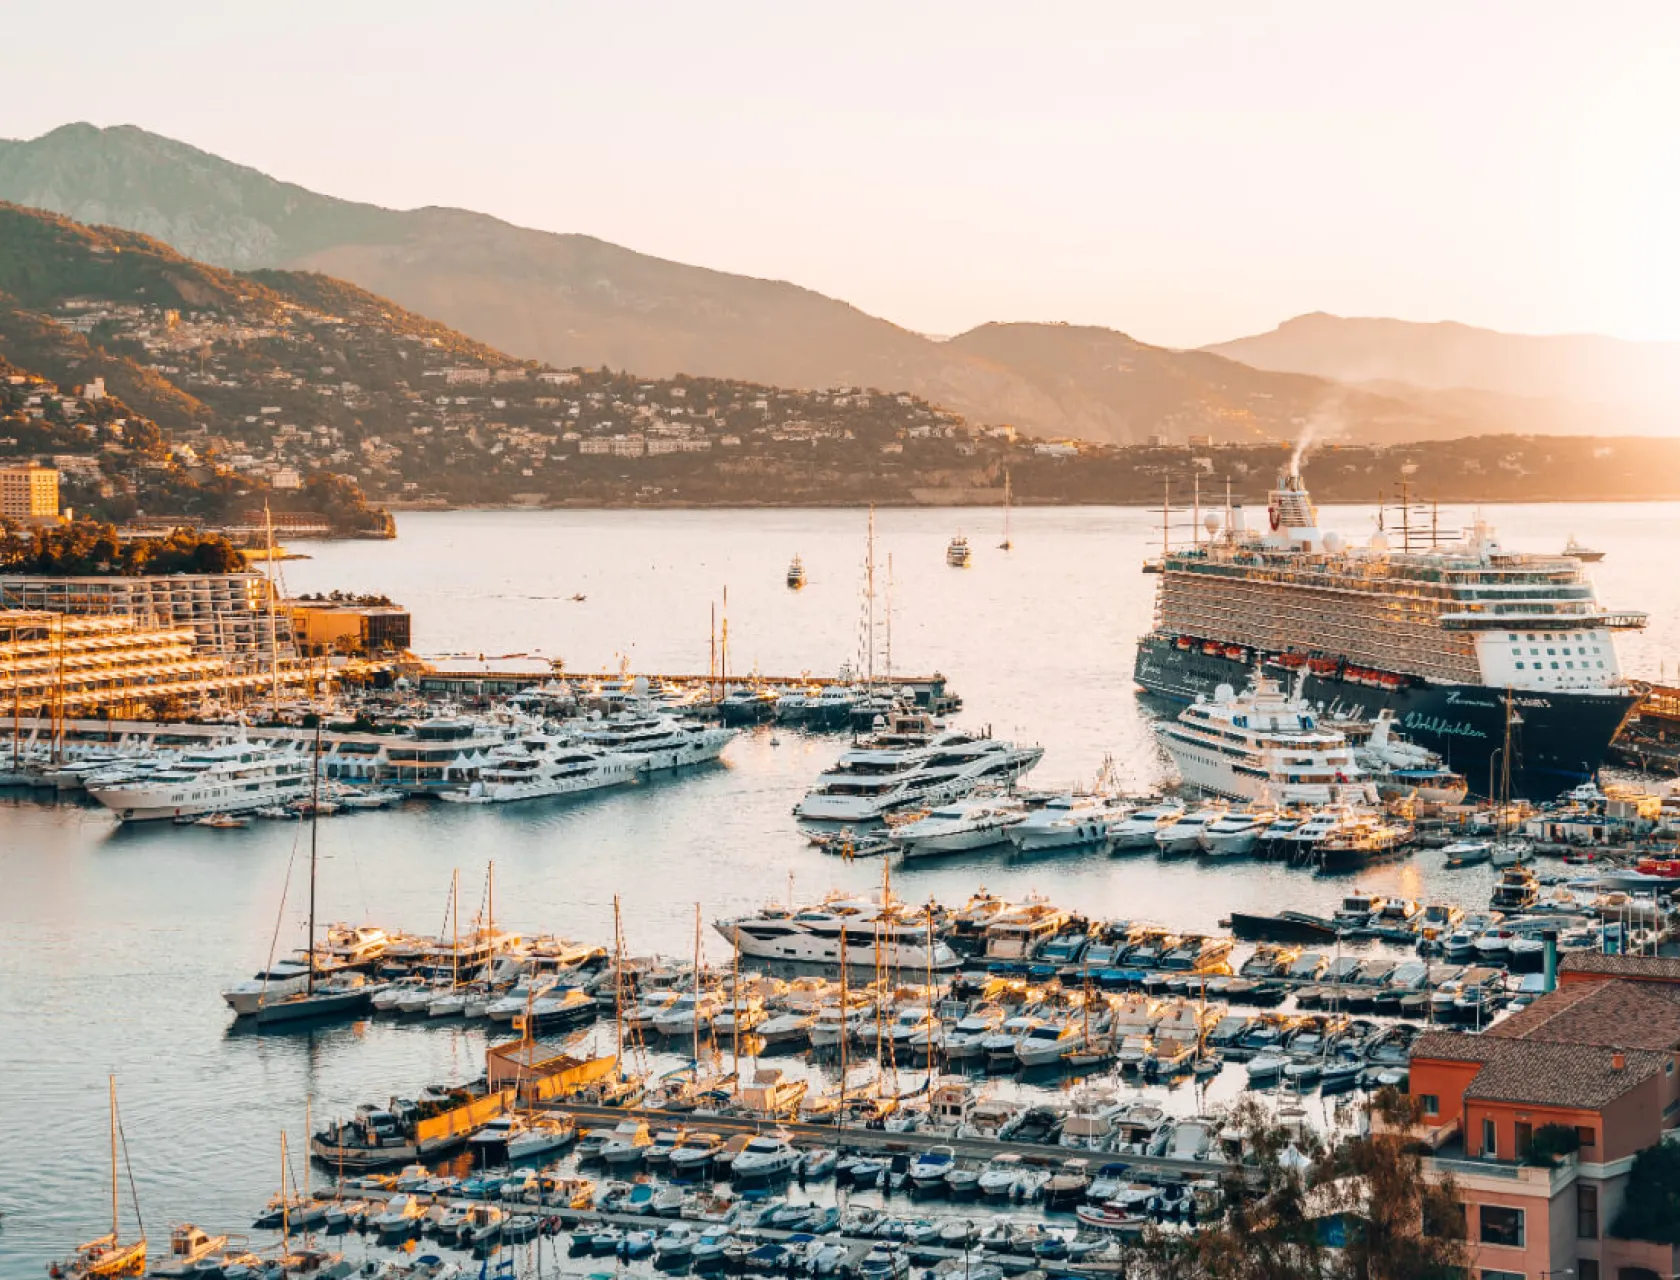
[(233, 777), (1264, 744), (658, 741), (535, 770), (891, 936), (912, 763)]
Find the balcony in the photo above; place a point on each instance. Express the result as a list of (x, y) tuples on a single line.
[(1510, 1176)]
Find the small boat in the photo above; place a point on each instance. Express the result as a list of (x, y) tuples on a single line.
[(796, 574), (108, 1255), (957, 552), (223, 822), (1574, 550)]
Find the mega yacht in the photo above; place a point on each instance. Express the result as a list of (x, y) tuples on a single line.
[(912, 763), (978, 822), (890, 935), (1263, 744), (657, 741), (1433, 626), (558, 770), (234, 777)]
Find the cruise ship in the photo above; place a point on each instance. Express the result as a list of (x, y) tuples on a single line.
[(891, 937), (1435, 631), (658, 741), (1264, 745), (235, 777), (912, 762)]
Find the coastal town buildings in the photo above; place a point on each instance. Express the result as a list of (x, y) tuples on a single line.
[(1538, 1120), (29, 492)]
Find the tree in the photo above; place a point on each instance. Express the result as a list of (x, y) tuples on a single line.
[(1364, 1209), (1651, 1207)]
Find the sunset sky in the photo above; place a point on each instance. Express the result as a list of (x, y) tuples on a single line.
[(1186, 172)]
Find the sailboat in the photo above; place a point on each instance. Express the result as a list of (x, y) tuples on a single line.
[(108, 1255), (1006, 544), (345, 994)]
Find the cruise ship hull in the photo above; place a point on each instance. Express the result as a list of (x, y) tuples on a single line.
[(1561, 741)]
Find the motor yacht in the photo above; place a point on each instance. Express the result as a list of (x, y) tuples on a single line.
[(977, 822), (559, 771), (912, 763), (957, 554), (658, 741), (1139, 829), (234, 777), (1236, 832), (766, 1156), (1185, 835), (889, 935), (1264, 744), (1069, 820)]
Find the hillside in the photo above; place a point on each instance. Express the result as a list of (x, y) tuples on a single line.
[(1591, 381), (574, 301)]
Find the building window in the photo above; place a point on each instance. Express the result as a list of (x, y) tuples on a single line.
[(1586, 1269), (1502, 1275), (1519, 666), (1586, 1211), (1490, 1140), (1431, 1104), (1586, 1135), (1502, 1226), (1524, 1140)]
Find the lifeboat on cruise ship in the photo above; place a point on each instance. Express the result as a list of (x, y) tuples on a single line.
[(1183, 642), (1668, 868), (1234, 651), (1322, 666), (1294, 661), (1210, 648)]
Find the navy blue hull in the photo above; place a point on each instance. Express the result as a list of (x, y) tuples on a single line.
[(1560, 742)]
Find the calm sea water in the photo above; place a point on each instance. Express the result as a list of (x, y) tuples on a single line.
[(113, 942)]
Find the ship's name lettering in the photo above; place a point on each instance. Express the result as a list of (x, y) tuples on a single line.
[(1458, 699), (1442, 728)]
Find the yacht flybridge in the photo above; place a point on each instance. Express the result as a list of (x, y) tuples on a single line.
[(1264, 744), (912, 762)]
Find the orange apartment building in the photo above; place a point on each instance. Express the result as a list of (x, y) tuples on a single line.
[(1600, 1055)]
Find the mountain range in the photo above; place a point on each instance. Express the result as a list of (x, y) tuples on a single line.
[(573, 300)]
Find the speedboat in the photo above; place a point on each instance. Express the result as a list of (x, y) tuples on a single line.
[(929, 1169), (766, 1156)]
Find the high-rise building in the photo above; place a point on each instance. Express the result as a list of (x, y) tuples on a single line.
[(29, 492)]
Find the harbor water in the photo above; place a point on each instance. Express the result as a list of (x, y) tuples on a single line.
[(115, 941)]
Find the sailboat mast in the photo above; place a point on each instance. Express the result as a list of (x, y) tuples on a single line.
[(314, 831), (618, 986), (889, 661), (697, 993), (455, 929), (932, 1014), (845, 1029), (273, 615), (735, 996), (490, 918), (1006, 506), (113, 1084), (869, 600)]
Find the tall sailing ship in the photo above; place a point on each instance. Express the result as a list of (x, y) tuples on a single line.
[(1439, 630)]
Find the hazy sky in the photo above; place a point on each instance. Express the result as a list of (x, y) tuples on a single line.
[(1186, 172)]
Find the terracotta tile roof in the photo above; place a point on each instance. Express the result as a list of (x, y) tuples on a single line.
[(1541, 1072), (1612, 1014), (1651, 968), (1561, 1075)]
